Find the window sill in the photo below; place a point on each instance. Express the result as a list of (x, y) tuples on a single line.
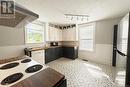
[(86, 51)]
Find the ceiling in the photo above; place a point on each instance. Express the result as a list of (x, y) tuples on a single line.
[(53, 10)]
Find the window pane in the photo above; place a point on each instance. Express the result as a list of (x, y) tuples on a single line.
[(125, 29), (34, 37), (86, 32), (124, 46), (86, 45), (34, 26), (86, 35), (35, 33)]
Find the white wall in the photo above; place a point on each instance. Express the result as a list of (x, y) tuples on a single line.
[(103, 43), (11, 51), (11, 36), (101, 54), (12, 42)]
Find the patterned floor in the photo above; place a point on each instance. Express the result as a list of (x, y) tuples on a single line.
[(80, 73)]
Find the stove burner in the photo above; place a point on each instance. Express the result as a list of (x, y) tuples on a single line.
[(8, 66), (33, 68), (26, 61), (12, 78)]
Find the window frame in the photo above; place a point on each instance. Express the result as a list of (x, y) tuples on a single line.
[(94, 28), (38, 23)]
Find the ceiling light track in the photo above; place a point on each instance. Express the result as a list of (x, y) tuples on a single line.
[(77, 17)]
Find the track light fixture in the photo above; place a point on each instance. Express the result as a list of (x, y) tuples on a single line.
[(77, 17)]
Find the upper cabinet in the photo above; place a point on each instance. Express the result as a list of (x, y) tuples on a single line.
[(62, 33), (69, 34), (55, 34)]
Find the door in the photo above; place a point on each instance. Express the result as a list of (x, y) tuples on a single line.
[(114, 45)]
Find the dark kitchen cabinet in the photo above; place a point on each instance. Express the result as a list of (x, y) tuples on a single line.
[(49, 55), (63, 83), (59, 52), (54, 53), (70, 52)]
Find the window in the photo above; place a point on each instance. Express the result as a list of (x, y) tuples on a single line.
[(86, 37), (35, 32), (124, 36)]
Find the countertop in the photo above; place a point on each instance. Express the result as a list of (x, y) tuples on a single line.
[(45, 78), (54, 46), (70, 46), (37, 48), (43, 48), (63, 46), (2, 61)]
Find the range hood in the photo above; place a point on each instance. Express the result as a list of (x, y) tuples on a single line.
[(21, 16)]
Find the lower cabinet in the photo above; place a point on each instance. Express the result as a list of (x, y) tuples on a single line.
[(52, 54), (49, 55), (59, 52), (63, 83), (39, 56), (70, 52)]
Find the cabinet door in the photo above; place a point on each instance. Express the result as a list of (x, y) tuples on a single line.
[(51, 36), (59, 35), (58, 52), (39, 56), (63, 83), (73, 31), (69, 34), (69, 52), (50, 55), (56, 34), (72, 34), (49, 30), (64, 35)]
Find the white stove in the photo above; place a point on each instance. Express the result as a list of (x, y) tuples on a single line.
[(19, 70)]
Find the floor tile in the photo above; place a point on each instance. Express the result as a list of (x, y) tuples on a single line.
[(81, 73)]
